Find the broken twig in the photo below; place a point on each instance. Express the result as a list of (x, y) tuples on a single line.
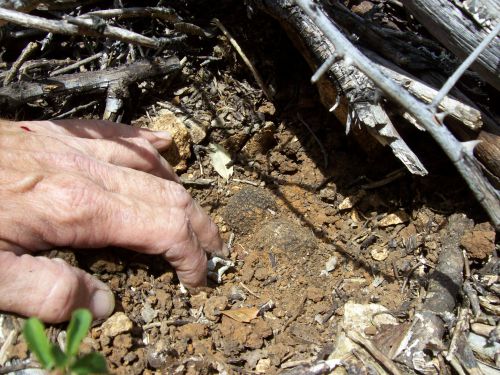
[(244, 57)]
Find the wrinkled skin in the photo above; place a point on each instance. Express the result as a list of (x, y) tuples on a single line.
[(89, 184)]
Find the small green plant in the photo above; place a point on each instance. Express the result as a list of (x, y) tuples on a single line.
[(51, 357)]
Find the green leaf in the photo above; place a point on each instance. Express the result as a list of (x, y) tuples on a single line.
[(92, 363), (38, 343), (77, 330), (60, 359)]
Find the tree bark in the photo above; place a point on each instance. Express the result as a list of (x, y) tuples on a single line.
[(461, 29)]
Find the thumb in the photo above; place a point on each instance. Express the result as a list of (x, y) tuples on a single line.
[(50, 289)]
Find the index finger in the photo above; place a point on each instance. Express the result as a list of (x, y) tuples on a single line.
[(94, 129)]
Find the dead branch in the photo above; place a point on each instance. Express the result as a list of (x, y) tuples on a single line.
[(374, 351), (428, 326), (76, 65), (343, 79), (461, 154), (407, 50), (27, 51), (79, 26), (461, 26), (86, 82), (466, 114)]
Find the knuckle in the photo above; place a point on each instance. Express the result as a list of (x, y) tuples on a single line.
[(179, 230), (213, 230), (60, 299), (143, 143), (178, 195)]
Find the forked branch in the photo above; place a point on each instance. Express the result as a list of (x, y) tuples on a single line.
[(461, 154)]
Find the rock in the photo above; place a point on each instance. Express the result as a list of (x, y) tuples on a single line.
[(234, 333), (236, 294), (164, 303), (116, 324), (123, 341), (363, 8), (252, 357), (214, 306), (277, 352), (263, 366), (148, 313), (479, 242), (379, 253), (267, 108), (192, 331), (331, 263), (285, 236), (314, 294), (104, 262), (359, 318), (160, 355), (262, 273), (262, 328), (260, 143), (306, 332), (248, 208), (395, 218), (180, 150), (198, 300)]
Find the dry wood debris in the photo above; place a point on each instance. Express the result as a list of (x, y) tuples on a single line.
[(111, 56)]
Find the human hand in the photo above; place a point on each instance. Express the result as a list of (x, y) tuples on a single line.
[(89, 184)]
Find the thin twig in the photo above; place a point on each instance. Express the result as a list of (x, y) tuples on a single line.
[(377, 354), (199, 182), (249, 291), (43, 64), (460, 154), (244, 57), (163, 13), (27, 51), (323, 68), (7, 343), (75, 109), (463, 67), (76, 65), (393, 176), (253, 183)]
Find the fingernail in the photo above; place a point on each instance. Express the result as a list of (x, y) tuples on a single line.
[(102, 303)]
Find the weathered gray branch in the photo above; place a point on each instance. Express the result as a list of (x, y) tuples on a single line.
[(428, 325), (86, 82), (461, 29), (85, 26), (351, 83), (460, 154)]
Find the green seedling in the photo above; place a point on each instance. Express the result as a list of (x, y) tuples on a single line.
[(51, 357)]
